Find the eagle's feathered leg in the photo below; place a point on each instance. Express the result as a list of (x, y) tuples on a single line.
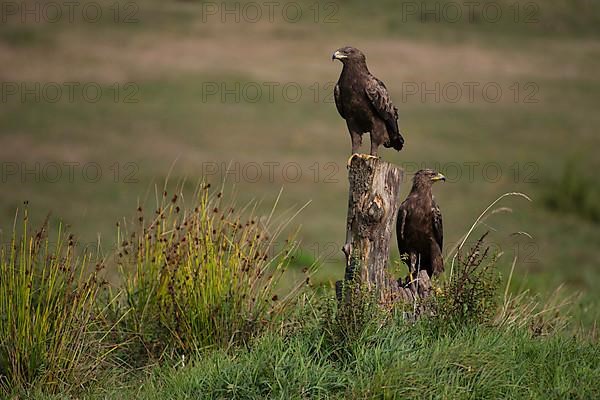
[(356, 143), (402, 216), (356, 138), (374, 146), (412, 268)]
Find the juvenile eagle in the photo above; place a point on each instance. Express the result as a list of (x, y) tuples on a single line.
[(364, 102), (419, 225)]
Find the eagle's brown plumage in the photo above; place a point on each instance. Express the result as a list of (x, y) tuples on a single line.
[(364, 102), (419, 226)]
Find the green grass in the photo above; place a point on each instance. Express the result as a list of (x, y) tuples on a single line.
[(49, 315), (395, 362), (385, 358)]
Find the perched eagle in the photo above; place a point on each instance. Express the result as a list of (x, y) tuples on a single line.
[(419, 225), (364, 102)]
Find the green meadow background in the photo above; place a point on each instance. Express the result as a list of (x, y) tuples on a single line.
[(98, 111)]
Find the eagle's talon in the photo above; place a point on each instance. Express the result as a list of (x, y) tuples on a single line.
[(350, 159), (361, 156), (370, 156)]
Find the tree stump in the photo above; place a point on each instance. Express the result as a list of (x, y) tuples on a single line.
[(373, 204)]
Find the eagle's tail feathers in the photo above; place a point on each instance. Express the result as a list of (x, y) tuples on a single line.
[(396, 140)]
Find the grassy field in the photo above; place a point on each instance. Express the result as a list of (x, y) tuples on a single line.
[(396, 362), (184, 96)]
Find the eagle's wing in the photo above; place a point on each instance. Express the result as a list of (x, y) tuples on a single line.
[(381, 101), (438, 227), (400, 227), (338, 100)]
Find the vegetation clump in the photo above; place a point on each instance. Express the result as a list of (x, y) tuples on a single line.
[(49, 315), (201, 277), (470, 294)]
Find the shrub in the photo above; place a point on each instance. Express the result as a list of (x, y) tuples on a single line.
[(347, 322), (48, 319), (204, 276), (470, 295)]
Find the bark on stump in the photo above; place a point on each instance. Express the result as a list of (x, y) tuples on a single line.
[(373, 204)]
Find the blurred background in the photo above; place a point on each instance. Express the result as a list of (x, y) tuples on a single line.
[(101, 102)]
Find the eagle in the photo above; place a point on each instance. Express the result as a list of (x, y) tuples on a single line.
[(419, 226), (364, 102)]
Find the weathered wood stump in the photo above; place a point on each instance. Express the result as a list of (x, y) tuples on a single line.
[(373, 204), (410, 291)]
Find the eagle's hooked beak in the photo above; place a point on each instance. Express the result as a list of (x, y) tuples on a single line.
[(439, 177), (338, 56)]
